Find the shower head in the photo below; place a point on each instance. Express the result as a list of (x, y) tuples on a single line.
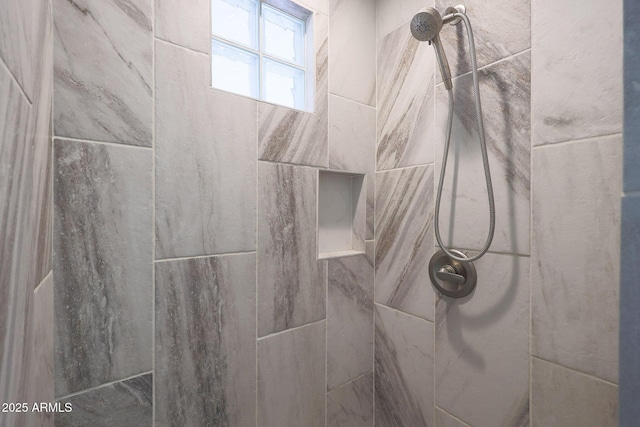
[(426, 26)]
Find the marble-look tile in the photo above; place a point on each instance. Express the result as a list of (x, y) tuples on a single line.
[(291, 378), (575, 254), (292, 136), (205, 341), (102, 263), (291, 281), (391, 14), (352, 404), (403, 370), (505, 90), (205, 162), (123, 404), (445, 420), (103, 53), (184, 23), (482, 346), (631, 96), (563, 397), (576, 69), (405, 128), (352, 133), (349, 319), (629, 313), (352, 57), (404, 240), (501, 28)]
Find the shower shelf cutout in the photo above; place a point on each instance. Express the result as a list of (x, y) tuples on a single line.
[(341, 214)]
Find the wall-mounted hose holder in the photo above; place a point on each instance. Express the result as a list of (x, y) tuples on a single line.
[(455, 279)]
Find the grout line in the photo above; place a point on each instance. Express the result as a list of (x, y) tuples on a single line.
[(291, 329), (452, 416), (153, 218), (15, 80), (352, 100), (89, 141), (301, 165), (257, 223), (421, 165), (489, 252), (407, 314), (204, 256), (491, 64), (558, 365), (44, 279), (156, 38), (77, 393), (574, 141), (369, 372)]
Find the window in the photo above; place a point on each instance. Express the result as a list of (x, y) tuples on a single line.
[(260, 51)]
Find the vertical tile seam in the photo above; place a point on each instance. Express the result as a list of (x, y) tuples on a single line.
[(153, 214)]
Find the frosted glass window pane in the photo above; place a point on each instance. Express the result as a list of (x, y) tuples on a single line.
[(236, 20), (234, 70), (283, 36), (283, 85)]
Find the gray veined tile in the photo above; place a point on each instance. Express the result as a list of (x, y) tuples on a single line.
[(291, 378), (390, 14), (102, 263), (404, 240), (103, 70), (127, 403), (445, 420), (352, 133), (482, 346), (405, 105), (352, 57), (205, 349), (351, 405), (501, 28), (291, 281), (205, 160), (403, 370), (464, 215), (184, 23), (349, 319), (577, 67), (575, 255), (563, 397), (291, 136)]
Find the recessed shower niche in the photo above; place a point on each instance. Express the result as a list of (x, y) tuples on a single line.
[(341, 214)]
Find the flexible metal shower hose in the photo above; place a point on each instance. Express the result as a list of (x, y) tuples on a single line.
[(483, 148)]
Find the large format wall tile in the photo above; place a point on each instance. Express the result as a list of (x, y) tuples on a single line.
[(123, 404), (629, 313), (501, 28), (205, 341), (291, 282), (482, 346), (103, 70), (562, 397), (102, 263), (184, 23), (405, 101), (352, 57), (205, 160), (291, 378), (391, 14), (349, 319), (292, 136), (577, 65), (352, 404), (631, 96), (352, 136), (404, 370), (576, 255), (404, 240), (464, 215)]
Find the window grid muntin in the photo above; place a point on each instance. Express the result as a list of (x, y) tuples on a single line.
[(261, 54)]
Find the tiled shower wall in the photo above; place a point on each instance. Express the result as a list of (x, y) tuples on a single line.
[(537, 342), (187, 285), (26, 287)]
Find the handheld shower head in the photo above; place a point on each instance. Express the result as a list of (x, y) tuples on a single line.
[(426, 26)]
